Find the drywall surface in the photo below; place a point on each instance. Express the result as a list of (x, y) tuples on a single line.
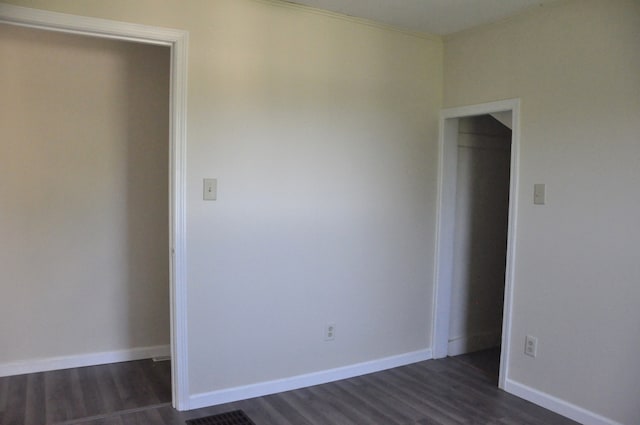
[(322, 134), (575, 66), (84, 189), (480, 240)]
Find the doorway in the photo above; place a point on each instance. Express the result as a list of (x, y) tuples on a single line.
[(475, 243), (176, 41), (480, 236)]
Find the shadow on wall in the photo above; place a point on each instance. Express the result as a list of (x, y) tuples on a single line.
[(482, 206), (147, 186)]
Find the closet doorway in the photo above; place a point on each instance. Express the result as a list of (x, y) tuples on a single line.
[(476, 215), (53, 180)]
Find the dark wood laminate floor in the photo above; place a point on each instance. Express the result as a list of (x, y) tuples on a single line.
[(65, 396), (437, 392), (486, 361)]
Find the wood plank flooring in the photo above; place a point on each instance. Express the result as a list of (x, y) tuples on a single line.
[(486, 361), (62, 396), (451, 391)]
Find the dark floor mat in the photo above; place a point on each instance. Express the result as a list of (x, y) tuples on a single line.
[(236, 417)]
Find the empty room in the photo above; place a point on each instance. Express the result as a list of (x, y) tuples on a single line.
[(319, 212)]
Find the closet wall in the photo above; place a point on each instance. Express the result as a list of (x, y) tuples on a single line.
[(482, 207), (84, 190)]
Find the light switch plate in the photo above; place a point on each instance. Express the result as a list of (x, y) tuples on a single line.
[(210, 189), (539, 195)]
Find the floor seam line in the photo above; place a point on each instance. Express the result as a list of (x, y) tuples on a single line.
[(111, 414)]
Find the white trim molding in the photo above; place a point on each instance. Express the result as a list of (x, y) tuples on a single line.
[(445, 224), (177, 41), (74, 24), (352, 19), (271, 387), (82, 360), (557, 405)]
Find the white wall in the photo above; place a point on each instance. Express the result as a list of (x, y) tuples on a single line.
[(84, 189), (480, 240), (575, 65), (322, 133)]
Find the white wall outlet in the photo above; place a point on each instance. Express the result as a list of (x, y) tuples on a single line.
[(531, 346), (330, 332)]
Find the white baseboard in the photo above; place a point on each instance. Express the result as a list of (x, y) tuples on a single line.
[(212, 398), (470, 343), (557, 405), (81, 360)]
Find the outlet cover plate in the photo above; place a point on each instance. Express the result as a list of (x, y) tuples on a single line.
[(531, 346)]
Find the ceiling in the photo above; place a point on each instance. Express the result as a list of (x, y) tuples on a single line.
[(430, 16)]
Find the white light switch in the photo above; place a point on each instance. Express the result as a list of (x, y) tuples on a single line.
[(210, 189), (539, 197)]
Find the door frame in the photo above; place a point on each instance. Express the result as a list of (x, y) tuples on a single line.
[(447, 171), (177, 41)]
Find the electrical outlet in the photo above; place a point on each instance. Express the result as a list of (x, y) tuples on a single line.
[(531, 346), (330, 332)]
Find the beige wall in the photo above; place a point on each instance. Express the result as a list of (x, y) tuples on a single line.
[(83, 184), (575, 65), (322, 134)]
